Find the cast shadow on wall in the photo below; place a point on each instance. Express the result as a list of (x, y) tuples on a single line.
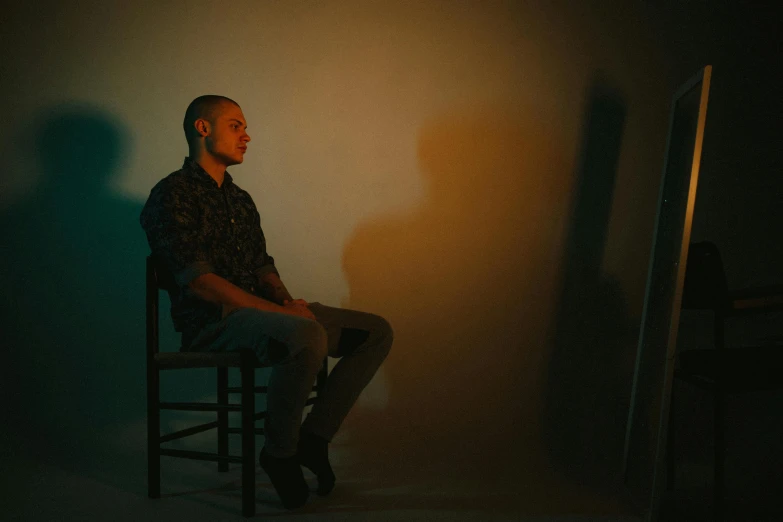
[(462, 280), (592, 343), (508, 376), (74, 297)]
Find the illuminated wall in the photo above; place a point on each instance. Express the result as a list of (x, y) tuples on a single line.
[(428, 161)]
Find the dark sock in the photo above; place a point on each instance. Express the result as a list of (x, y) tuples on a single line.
[(286, 476), (313, 453)]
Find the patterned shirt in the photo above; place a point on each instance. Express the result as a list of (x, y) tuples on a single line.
[(195, 227)]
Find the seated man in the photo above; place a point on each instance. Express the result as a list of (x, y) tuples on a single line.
[(207, 231)]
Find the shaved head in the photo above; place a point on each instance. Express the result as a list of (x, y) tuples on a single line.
[(205, 107)]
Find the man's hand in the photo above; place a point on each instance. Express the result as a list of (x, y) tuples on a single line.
[(273, 289), (298, 307), (215, 289)]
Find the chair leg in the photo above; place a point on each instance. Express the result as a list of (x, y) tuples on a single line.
[(671, 471), (153, 432), (720, 454), (222, 416), (248, 434)]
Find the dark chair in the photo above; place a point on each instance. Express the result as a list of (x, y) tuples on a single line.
[(159, 279), (721, 369)]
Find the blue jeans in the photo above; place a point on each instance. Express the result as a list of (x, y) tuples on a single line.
[(295, 348)]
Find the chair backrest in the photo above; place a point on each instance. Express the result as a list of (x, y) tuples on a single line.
[(158, 278), (152, 309), (164, 279), (705, 280)]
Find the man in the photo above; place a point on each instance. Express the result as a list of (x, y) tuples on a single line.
[(207, 232)]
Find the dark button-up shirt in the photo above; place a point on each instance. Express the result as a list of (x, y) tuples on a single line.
[(195, 227)]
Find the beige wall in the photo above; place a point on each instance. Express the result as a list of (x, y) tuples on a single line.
[(415, 159)]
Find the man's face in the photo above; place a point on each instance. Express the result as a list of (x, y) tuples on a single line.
[(227, 139)]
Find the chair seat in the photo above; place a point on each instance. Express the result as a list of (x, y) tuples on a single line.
[(181, 360), (741, 369)]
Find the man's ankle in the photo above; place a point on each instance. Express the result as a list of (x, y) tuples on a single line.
[(313, 453), (286, 477)]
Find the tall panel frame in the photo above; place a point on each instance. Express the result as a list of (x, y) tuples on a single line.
[(645, 439)]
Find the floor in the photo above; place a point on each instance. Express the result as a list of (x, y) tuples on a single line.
[(195, 492), (109, 484)]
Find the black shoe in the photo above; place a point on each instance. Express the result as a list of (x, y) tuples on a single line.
[(287, 478), (313, 453)]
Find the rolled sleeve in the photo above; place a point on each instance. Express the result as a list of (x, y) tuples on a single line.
[(170, 220), (192, 271), (266, 269)]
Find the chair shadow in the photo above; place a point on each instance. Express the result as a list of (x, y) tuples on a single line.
[(74, 285)]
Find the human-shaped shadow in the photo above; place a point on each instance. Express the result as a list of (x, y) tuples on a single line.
[(590, 367), (73, 298), (463, 281)]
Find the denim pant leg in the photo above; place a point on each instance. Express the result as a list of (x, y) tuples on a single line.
[(354, 370), (292, 374)]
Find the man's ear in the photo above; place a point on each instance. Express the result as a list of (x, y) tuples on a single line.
[(202, 126)]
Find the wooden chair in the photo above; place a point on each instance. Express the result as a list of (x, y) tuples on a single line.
[(723, 370), (159, 279)]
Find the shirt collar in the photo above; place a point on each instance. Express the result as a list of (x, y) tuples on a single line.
[(192, 165)]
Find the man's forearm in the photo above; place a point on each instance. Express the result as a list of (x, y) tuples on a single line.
[(273, 289), (215, 289)]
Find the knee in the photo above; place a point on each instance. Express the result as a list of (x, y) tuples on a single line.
[(386, 334), (314, 341)]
